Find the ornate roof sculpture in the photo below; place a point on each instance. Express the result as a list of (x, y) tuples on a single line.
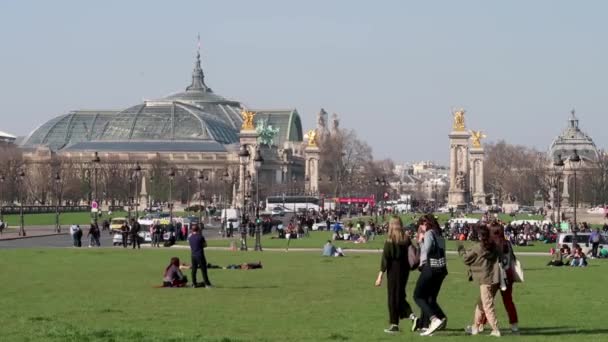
[(572, 138), (266, 133)]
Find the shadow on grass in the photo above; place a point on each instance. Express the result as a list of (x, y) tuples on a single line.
[(337, 337), (243, 287), (551, 331)]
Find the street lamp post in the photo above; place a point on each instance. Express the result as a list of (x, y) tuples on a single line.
[(96, 160), (244, 159), (559, 165), (201, 178), (2, 179), (227, 180), (21, 178), (58, 193), (189, 181), (171, 177), (575, 160), (137, 174), (129, 200), (257, 162)]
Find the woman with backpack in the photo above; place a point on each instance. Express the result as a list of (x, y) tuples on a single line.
[(433, 270), (397, 268)]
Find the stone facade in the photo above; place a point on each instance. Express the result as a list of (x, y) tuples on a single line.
[(459, 192)]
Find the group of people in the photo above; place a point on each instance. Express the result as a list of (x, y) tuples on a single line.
[(173, 276), (94, 235), (491, 265)]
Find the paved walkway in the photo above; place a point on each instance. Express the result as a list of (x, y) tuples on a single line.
[(346, 251), (12, 233)]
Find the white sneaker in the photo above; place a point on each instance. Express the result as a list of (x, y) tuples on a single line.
[(469, 330), (435, 324), (495, 333), (514, 329)]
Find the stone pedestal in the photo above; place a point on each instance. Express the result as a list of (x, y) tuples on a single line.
[(476, 179), (459, 194), (312, 167), (249, 139)]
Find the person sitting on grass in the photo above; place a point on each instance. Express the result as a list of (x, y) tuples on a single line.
[(557, 258), (329, 249), (579, 259), (173, 276), (603, 252)]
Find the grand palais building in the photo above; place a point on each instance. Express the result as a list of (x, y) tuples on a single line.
[(195, 130)]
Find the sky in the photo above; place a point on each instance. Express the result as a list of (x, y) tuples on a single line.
[(392, 70)]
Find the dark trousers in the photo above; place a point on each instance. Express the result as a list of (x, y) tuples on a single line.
[(75, 240), (199, 261), (398, 307), (594, 247), (427, 290), (135, 240), (124, 240)]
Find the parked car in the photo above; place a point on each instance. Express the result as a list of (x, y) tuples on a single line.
[(582, 239), (278, 211), (117, 222), (323, 225)]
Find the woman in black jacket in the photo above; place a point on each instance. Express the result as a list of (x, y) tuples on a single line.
[(396, 266)]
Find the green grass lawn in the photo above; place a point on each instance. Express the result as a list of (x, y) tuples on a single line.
[(109, 295), (318, 238)]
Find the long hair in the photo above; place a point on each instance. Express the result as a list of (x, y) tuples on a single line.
[(486, 241), (497, 234), (396, 233), (174, 262), (430, 221)]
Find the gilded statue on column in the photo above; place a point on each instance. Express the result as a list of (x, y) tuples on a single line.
[(458, 120), (312, 137), (476, 137), (247, 120)]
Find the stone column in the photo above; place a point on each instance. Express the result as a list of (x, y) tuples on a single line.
[(312, 154), (248, 138), (566, 192), (477, 182), (458, 193)]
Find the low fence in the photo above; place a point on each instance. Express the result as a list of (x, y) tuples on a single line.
[(41, 209)]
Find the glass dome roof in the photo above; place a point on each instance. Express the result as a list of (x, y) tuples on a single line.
[(76, 126), (168, 120)]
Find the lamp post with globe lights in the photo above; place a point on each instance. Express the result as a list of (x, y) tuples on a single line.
[(244, 159), (58, 199), (96, 161), (2, 179), (21, 179), (558, 164), (257, 162), (575, 161), (171, 178), (201, 178), (137, 175)]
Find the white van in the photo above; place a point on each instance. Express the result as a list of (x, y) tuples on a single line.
[(581, 238), (232, 215)]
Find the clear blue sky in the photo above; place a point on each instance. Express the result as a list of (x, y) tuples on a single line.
[(391, 69)]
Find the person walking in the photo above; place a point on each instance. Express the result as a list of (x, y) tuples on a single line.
[(76, 235), (94, 235), (395, 264), (135, 239), (483, 261), (594, 240), (197, 245), (507, 261), (124, 232), (433, 270)]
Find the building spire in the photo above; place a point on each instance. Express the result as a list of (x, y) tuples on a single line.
[(573, 119), (198, 77)]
